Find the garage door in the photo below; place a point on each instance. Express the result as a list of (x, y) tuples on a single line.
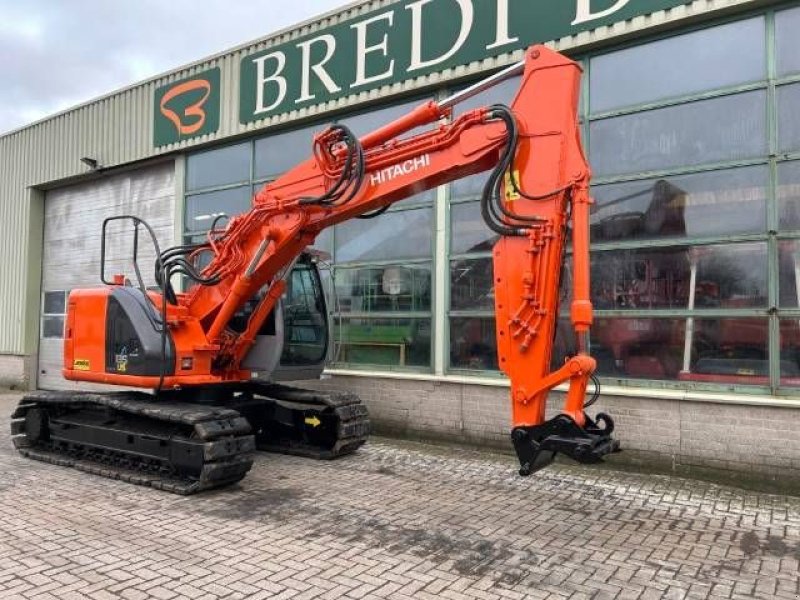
[(71, 258)]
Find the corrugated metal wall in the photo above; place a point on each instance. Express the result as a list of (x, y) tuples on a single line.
[(118, 129)]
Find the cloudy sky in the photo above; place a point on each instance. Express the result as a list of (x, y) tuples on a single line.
[(57, 53)]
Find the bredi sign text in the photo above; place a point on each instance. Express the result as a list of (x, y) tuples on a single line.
[(409, 39)]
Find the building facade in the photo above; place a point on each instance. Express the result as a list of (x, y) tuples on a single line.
[(690, 116)]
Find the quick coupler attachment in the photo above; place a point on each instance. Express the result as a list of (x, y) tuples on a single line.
[(538, 445)]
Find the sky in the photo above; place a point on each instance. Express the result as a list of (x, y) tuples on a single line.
[(58, 53)]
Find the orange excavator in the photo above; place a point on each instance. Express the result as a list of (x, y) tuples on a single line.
[(204, 360)]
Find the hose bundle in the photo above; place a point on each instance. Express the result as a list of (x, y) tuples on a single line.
[(498, 217)]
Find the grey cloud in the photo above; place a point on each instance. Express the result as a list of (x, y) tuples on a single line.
[(54, 54)]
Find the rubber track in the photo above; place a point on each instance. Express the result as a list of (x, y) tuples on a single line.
[(228, 444), (353, 424)]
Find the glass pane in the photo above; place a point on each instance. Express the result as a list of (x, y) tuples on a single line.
[(694, 62), (702, 132), (398, 234), (471, 284), (719, 350), (790, 352), (469, 187), (383, 289), (383, 342), (468, 232), (53, 327), (789, 195), (367, 122), (789, 117), (202, 209), (703, 204), (218, 167), (731, 276), (55, 303), (473, 343), (278, 153), (502, 93), (324, 241), (787, 24), (789, 270)]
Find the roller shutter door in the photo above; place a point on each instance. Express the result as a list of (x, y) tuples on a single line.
[(71, 256)]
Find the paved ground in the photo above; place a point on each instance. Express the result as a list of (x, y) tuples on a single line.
[(394, 521)]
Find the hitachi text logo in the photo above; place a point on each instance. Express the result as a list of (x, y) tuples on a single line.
[(404, 168)]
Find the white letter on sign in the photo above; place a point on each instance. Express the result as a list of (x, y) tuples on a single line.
[(362, 50), (319, 70), (262, 80), (584, 11), (467, 14), (501, 35)]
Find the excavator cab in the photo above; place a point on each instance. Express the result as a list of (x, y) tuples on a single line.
[(292, 344)]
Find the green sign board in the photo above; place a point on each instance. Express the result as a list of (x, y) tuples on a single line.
[(412, 38), (186, 108)]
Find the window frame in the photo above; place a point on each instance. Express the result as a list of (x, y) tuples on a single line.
[(45, 315)]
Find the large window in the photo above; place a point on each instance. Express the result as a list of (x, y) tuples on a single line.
[(696, 225), (685, 226), (382, 276), (694, 141)]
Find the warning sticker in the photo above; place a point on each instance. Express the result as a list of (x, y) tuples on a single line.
[(511, 192)]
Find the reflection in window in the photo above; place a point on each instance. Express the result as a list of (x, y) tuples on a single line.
[(790, 352), (702, 60), (468, 230), (55, 303), (472, 284), (469, 187), (788, 195), (701, 132), (731, 276), (732, 350), (473, 343), (396, 234), (324, 241), (203, 209), (787, 24), (383, 342), (52, 326), (383, 289), (213, 168), (789, 117), (789, 273), (280, 152), (703, 204)]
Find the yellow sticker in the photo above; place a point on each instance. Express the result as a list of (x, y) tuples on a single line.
[(313, 421), (81, 364), (511, 194)]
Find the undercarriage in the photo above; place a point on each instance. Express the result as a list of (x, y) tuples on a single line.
[(186, 441)]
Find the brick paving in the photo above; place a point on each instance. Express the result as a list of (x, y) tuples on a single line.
[(394, 521)]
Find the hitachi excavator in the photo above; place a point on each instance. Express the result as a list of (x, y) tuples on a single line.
[(203, 360)]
